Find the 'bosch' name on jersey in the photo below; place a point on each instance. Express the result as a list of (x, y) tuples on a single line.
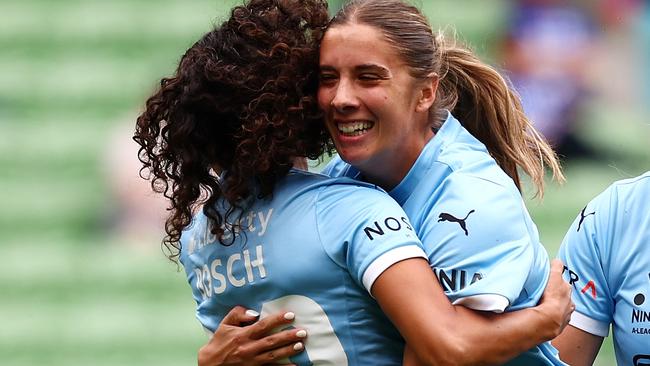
[(215, 278)]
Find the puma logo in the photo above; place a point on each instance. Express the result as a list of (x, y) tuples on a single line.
[(582, 217), (451, 218)]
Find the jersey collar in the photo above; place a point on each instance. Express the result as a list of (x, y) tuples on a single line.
[(425, 161)]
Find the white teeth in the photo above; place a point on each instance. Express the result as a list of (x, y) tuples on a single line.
[(354, 128)]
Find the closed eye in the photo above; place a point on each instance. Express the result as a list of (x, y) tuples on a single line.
[(366, 76), (327, 78)]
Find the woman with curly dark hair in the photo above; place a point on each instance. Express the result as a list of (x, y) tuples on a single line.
[(222, 139)]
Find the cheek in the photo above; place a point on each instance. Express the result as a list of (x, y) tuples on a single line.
[(324, 98), (377, 100)]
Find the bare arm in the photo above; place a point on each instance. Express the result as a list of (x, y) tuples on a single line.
[(236, 344), (577, 347), (442, 334)]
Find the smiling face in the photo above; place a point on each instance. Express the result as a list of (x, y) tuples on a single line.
[(376, 112)]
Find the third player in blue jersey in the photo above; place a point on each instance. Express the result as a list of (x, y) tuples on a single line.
[(607, 257)]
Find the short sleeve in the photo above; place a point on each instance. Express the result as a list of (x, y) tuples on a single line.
[(581, 253), (483, 245), (500, 281), (363, 230)]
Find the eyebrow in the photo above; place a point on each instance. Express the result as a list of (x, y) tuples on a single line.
[(372, 67), (360, 68)]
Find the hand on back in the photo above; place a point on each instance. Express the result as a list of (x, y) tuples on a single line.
[(236, 344)]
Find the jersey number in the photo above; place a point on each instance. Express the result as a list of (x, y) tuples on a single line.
[(322, 345)]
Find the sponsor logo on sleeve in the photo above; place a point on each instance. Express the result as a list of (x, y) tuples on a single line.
[(451, 218), (589, 288), (640, 319), (453, 280), (583, 216), (381, 227)]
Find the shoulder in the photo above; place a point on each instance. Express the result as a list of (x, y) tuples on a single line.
[(609, 228), (481, 189), (350, 194), (621, 211), (300, 183), (313, 180), (341, 193), (623, 200), (339, 168), (628, 189), (488, 209)]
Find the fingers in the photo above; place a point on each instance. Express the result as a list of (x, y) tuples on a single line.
[(269, 323), (557, 266), (291, 337), (239, 315), (558, 295), (236, 343), (280, 353), (556, 284)]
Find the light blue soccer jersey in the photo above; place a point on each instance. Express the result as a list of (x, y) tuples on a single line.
[(315, 248), (607, 255), (480, 240)]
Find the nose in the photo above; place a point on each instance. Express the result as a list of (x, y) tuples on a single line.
[(345, 99)]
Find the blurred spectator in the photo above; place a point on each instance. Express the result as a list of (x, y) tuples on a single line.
[(615, 13), (137, 215), (622, 75), (548, 47)]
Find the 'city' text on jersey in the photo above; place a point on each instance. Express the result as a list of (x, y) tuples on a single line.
[(252, 222)]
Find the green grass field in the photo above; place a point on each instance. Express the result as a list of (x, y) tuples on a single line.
[(70, 72)]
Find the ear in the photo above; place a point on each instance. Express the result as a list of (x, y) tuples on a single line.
[(427, 94)]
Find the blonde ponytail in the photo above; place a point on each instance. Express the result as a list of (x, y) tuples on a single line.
[(489, 109)]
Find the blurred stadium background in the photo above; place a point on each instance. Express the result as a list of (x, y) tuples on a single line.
[(83, 280)]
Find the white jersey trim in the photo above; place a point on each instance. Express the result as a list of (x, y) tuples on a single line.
[(484, 302), (379, 265), (589, 325)]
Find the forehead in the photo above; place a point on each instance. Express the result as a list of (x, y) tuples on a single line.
[(357, 43)]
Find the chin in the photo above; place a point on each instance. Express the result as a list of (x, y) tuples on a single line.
[(354, 158)]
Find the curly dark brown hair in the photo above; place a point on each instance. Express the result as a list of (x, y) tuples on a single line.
[(241, 102)]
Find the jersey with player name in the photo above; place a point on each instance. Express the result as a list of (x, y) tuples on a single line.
[(480, 240), (607, 257), (314, 248)]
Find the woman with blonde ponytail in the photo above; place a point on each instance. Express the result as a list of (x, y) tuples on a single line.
[(445, 135)]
